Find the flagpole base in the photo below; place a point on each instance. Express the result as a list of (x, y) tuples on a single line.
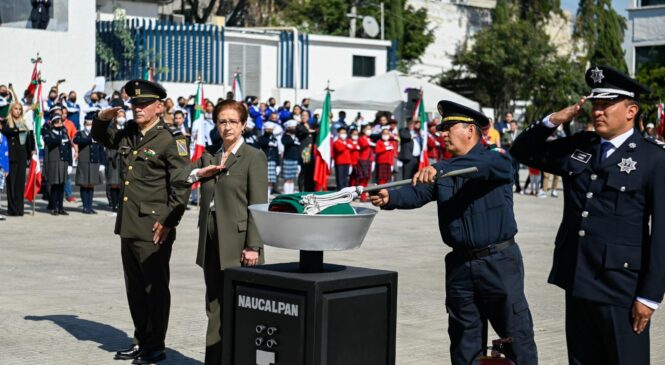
[(311, 261)]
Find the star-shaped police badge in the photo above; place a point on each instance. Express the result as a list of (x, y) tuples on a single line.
[(627, 165), (597, 75)]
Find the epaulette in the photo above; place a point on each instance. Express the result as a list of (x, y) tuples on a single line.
[(657, 142), (175, 131)]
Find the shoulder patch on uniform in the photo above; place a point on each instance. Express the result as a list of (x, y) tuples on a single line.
[(181, 144), (657, 142), (173, 129)]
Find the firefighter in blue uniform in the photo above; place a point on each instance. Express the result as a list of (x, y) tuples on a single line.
[(607, 258), (484, 271)]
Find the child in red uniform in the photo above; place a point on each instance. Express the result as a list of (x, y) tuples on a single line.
[(433, 144), (342, 148), (355, 152), (386, 150), (365, 158)]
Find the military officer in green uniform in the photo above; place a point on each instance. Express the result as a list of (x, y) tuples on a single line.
[(151, 207)]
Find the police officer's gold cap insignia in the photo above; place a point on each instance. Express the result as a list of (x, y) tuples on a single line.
[(627, 165), (597, 75)]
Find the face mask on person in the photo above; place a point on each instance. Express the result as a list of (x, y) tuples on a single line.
[(354, 137), (385, 137), (52, 97), (88, 128), (368, 132), (342, 136), (121, 120), (208, 115), (4, 94)]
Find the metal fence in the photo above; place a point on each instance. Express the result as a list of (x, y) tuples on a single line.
[(177, 52)]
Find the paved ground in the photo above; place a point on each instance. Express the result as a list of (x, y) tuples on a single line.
[(62, 295)]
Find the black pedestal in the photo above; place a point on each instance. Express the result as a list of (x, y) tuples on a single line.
[(276, 314)]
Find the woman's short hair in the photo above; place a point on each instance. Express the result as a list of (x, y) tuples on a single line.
[(231, 104)]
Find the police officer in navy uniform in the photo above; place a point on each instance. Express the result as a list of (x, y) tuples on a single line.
[(607, 257), (484, 271), (152, 205)]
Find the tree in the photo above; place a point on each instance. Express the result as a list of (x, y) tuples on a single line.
[(405, 24), (502, 62), (601, 30), (653, 77)]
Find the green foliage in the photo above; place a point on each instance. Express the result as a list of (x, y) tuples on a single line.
[(654, 78), (504, 61), (556, 85), (601, 30), (404, 23), (121, 35)]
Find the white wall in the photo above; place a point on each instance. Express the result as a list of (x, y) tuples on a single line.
[(67, 55), (453, 25)]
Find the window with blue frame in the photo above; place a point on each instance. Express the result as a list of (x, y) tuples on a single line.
[(364, 66)]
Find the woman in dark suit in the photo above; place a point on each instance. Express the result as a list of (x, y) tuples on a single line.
[(58, 162), (232, 178), (21, 147), (89, 170)]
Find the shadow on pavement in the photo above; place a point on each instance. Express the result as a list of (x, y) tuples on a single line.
[(109, 338)]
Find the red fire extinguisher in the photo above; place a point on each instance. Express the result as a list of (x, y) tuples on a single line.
[(496, 356)]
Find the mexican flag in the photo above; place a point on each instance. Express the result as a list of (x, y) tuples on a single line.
[(661, 119), (33, 183), (148, 74), (237, 88), (322, 148), (422, 117), (197, 124)]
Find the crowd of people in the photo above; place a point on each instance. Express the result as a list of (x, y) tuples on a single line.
[(363, 151)]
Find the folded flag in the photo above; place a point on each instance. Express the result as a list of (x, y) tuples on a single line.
[(291, 203)]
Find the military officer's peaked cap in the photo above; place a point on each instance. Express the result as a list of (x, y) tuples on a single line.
[(608, 83), (452, 112), (143, 91)]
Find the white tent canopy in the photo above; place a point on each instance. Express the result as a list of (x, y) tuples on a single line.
[(388, 92)]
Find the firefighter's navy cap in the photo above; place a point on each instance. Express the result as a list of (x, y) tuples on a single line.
[(144, 91), (452, 113), (608, 83)]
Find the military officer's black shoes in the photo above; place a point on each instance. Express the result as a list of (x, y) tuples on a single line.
[(54, 212), (128, 354), (63, 212), (149, 357)]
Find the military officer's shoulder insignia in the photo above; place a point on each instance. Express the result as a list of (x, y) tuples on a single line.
[(656, 142), (175, 131), (181, 144)]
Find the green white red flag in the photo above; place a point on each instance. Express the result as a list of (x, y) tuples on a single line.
[(322, 148)]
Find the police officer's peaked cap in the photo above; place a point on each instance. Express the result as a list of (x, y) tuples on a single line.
[(141, 91), (608, 83), (452, 112)]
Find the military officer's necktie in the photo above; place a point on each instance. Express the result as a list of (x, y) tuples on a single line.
[(605, 147)]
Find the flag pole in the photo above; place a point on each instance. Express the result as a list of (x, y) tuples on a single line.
[(34, 136)]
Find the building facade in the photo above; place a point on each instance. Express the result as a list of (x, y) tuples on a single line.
[(645, 37)]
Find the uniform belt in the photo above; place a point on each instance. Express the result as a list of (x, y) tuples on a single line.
[(478, 253)]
